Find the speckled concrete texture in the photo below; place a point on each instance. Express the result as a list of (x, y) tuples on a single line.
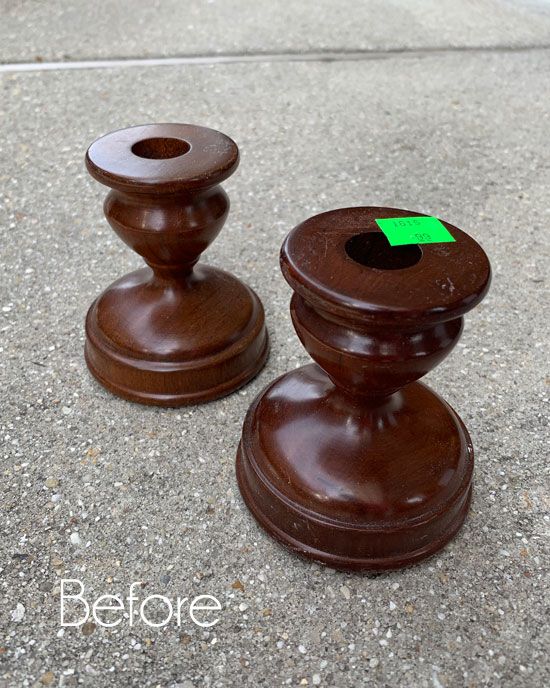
[(109, 492), (61, 30)]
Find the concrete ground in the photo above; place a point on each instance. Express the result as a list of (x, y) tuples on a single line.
[(109, 492)]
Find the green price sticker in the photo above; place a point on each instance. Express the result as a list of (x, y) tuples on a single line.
[(414, 230)]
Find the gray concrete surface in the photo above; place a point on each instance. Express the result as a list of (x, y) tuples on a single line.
[(109, 492), (58, 30)]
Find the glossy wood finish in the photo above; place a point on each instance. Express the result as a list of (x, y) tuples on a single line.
[(175, 332), (350, 460)]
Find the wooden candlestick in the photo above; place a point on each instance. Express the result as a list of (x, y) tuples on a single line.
[(349, 461), (172, 333)]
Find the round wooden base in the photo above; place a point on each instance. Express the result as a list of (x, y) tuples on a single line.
[(354, 483), (171, 343)]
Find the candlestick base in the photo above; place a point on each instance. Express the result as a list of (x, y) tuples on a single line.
[(176, 343), (352, 483)]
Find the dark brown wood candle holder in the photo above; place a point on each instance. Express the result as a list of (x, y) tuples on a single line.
[(350, 461), (172, 333)]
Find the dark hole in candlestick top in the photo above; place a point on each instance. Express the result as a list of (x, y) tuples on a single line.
[(160, 148), (373, 250)]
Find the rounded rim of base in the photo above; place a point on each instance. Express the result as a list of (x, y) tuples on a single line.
[(187, 398), (337, 561)]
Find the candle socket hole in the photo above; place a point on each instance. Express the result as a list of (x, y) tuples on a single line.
[(160, 148), (373, 250)]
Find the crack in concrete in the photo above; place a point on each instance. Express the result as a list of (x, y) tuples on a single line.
[(244, 57)]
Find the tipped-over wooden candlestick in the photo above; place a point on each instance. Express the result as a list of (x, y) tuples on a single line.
[(172, 333), (349, 460)]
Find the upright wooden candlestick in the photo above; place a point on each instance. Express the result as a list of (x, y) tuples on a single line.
[(349, 461), (172, 333)]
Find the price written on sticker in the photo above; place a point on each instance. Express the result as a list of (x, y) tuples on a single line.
[(414, 230)]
